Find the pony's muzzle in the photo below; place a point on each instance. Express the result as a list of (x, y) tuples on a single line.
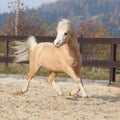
[(57, 43)]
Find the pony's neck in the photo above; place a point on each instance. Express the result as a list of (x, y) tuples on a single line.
[(72, 45)]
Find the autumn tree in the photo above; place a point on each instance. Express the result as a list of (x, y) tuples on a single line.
[(28, 24), (91, 30)]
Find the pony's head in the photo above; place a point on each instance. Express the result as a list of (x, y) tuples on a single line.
[(63, 32)]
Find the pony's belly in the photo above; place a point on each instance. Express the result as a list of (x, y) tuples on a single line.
[(52, 67)]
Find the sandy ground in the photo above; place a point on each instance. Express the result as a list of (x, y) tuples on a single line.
[(42, 103)]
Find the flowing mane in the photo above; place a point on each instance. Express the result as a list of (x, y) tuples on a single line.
[(64, 24)]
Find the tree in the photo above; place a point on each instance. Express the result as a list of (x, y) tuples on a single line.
[(91, 30), (28, 24)]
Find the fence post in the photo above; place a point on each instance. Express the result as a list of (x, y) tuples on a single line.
[(113, 59), (80, 43), (6, 48)]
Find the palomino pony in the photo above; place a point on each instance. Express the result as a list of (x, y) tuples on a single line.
[(61, 56)]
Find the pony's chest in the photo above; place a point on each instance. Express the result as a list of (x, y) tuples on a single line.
[(72, 61)]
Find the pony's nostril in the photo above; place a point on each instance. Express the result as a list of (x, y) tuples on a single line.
[(55, 43)]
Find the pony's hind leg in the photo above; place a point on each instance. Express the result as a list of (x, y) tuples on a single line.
[(30, 75), (26, 84), (53, 83)]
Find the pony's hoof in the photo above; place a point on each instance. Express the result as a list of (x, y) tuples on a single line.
[(74, 92), (85, 97), (18, 93), (60, 94), (70, 94), (21, 92)]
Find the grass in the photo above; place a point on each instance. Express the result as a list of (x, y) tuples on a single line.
[(87, 73), (97, 74), (23, 69)]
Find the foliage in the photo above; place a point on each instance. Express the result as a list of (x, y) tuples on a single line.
[(28, 24), (91, 30), (100, 32), (31, 25), (79, 11)]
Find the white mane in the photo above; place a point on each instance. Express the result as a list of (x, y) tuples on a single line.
[(64, 24)]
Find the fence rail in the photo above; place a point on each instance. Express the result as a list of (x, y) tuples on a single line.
[(112, 63)]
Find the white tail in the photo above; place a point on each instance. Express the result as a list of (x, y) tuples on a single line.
[(23, 49)]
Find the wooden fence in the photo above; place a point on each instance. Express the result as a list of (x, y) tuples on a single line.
[(112, 63)]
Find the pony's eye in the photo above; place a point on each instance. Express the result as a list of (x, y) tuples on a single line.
[(65, 33)]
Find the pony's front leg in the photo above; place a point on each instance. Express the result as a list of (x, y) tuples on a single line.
[(80, 86), (53, 83), (57, 88)]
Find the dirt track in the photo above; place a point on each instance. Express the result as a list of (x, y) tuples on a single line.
[(42, 103)]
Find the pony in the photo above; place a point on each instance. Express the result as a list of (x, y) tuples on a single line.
[(63, 55)]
